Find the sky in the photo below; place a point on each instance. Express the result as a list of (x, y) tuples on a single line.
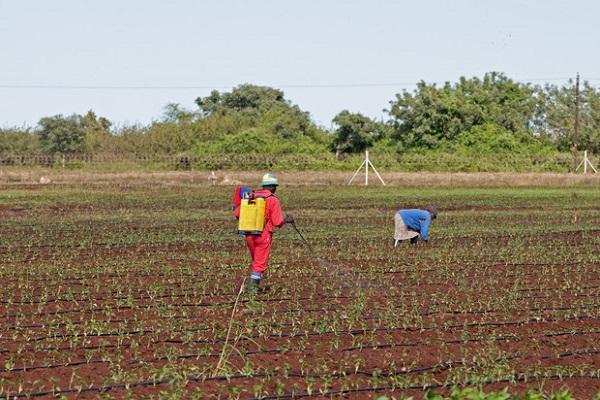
[(127, 59)]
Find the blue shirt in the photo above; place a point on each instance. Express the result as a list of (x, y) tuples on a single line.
[(417, 220)]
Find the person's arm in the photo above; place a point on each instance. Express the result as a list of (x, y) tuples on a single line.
[(276, 215), (425, 228)]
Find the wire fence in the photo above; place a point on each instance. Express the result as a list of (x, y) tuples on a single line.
[(411, 163)]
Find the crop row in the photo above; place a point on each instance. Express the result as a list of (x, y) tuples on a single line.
[(110, 291)]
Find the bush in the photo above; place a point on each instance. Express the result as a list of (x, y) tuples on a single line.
[(494, 139)]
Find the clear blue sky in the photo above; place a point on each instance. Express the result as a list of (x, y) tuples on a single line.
[(298, 46)]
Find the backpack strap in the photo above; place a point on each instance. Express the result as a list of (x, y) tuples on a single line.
[(264, 196)]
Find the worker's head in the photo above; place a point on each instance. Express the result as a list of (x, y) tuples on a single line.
[(433, 212), (269, 182)]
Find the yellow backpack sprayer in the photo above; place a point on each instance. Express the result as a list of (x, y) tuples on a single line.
[(252, 214)]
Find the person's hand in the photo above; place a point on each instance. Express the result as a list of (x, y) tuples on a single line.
[(289, 219)]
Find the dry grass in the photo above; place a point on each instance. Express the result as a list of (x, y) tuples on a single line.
[(33, 176)]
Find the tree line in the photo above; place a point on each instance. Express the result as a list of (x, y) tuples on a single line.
[(477, 116)]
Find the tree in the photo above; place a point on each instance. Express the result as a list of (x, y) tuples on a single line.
[(288, 122), (63, 135), (97, 132), (250, 108), (174, 112), (246, 97), (355, 133), (433, 115), (558, 116)]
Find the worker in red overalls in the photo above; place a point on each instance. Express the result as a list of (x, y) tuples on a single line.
[(260, 244)]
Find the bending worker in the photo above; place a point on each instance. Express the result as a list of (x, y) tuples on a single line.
[(412, 223), (269, 216)]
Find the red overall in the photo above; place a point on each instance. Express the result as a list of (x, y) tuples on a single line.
[(260, 245)]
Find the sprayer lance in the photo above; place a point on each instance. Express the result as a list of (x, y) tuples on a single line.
[(303, 238)]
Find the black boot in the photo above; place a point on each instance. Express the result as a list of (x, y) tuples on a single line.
[(252, 285), (413, 241)]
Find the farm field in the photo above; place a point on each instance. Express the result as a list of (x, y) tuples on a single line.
[(115, 291)]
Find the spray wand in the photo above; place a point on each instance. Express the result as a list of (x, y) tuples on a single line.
[(306, 242), (321, 262)]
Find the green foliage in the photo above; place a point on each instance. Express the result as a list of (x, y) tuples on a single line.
[(355, 133), (432, 115), (74, 134), (244, 98), (288, 123), (255, 120), (18, 141), (96, 132), (249, 141), (173, 112), (558, 110), (256, 141), (449, 128), (175, 133), (169, 137), (472, 393), (63, 135), (492, 139)]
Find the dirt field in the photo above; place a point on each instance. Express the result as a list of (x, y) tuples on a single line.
[(126, 287), (19, 176)]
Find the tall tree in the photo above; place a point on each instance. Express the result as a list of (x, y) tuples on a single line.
[(245, 97), (434, 114), (264, 108), (558, 112), (97, 131), (355, 133), (63, 135)]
